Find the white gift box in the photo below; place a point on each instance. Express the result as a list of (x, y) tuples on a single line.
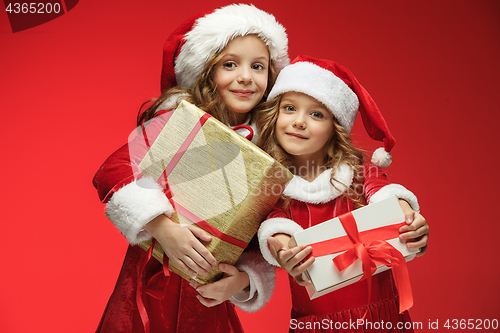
[(324, 275)]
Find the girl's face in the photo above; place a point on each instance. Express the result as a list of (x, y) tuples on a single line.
[(241, 75), (304, 126)]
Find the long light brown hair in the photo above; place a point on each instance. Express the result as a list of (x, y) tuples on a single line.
[(203, 93), (339, 149)]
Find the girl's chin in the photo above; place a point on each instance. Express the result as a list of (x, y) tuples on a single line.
[(243, 112)]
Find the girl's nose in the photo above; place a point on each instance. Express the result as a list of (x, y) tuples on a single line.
[(299, 122), (244, 76)]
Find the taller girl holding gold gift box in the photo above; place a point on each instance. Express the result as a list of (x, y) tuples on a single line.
[(305, 126), (224, 62)]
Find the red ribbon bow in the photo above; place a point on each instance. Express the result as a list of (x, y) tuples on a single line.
[(374, 251)]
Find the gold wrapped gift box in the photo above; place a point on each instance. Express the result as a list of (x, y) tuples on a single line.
[(214, 175)]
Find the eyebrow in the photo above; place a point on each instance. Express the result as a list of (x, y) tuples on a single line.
[(237, 55), (317, 104), (262, 58)]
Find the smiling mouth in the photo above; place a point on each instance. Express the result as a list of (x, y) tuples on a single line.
[(242, 93), (296, 135)]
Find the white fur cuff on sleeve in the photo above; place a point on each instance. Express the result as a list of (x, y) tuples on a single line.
[(271, 227), (262, 279), (399, 191), (134, 205)]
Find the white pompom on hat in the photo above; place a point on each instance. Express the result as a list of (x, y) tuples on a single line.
[(188, 49), (337, 88)]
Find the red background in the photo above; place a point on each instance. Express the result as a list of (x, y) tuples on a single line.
[(71, 88)]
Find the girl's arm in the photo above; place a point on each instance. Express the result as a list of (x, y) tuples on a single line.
[(138, 207), (131, 199), (377, 188)]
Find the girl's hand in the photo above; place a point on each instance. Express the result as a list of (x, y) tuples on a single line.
[(416, 232), (215, 293), (181, 244), (292, 259)]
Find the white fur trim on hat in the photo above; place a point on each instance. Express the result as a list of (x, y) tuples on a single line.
[(272, 227), (321, 84), (262, 279), (320, 190), (399, 191), (134, 205), (213, 32)]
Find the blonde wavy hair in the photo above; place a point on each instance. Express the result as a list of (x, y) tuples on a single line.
[(203, 93), (339, 150)]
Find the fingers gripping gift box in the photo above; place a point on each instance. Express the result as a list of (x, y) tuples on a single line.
[(214, 178), (370, 234)]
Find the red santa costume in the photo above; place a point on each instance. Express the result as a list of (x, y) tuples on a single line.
[(320, 200), (132, 201)]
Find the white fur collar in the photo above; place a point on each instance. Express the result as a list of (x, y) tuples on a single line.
[(320, 190)]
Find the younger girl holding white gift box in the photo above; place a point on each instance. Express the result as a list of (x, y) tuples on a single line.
[(305, 126), (224, 62)]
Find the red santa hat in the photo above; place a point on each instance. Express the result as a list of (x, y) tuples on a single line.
[(337, 88), (190, 46)]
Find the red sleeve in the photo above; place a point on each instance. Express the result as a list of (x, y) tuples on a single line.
[(113, 174), (374, 180), (121, 168), (277, 212)]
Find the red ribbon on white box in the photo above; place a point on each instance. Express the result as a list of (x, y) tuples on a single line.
[(372, 249)]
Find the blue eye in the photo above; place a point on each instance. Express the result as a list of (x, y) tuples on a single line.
[(289, 107), (317, 114)]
